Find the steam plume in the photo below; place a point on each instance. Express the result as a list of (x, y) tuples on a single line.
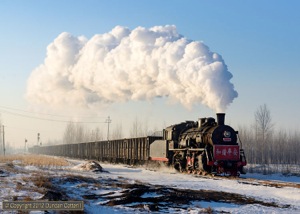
[(126, 64)]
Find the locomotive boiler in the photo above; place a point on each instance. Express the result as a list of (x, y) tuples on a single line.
[(205, 146)]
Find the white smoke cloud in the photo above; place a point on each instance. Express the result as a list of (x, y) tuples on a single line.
[(126, 64)]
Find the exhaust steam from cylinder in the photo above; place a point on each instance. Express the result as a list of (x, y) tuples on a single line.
[(124, 64)]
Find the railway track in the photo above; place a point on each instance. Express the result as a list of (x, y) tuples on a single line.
[(253, 181), (241, 180), (270, 183)]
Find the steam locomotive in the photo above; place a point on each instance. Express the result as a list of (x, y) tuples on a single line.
[(203, 147)]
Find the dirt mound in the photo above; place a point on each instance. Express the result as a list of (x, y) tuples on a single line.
[(91, 166)]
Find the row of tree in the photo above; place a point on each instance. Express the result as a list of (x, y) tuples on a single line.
[(264, 145), (78, 133)]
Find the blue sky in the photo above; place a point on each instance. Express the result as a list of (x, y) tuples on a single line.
[(258, 40)]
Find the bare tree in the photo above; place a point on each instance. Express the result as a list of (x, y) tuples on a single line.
[(69, 134), (263, 130), (96, 135), (139, 128), (74, 133), (134, 131), (117, 132), (263, 122), (80, 133)]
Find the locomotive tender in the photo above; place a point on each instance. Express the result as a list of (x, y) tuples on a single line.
[(205, 146)]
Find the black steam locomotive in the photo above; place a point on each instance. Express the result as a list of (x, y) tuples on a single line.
[(205, 146)]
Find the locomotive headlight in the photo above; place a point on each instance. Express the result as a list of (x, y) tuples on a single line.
[(227, 134)]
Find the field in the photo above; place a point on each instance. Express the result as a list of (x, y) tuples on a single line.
[(123, 189)]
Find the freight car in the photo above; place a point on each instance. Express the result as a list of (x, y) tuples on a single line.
[(129, 151), (205, 146)]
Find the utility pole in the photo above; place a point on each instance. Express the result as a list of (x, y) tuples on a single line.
[(3, 141), (25, 144), (108, 121), (38, 138)]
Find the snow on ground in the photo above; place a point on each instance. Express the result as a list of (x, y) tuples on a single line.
[(182, 181), (124, 189)]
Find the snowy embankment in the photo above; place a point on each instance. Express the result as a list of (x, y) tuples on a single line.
[(122, 189)]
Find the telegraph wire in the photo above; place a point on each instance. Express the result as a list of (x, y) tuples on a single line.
[(27, 129), (30, 112), (47, 119)]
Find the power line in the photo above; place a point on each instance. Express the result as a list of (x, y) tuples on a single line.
[(46, 119), (27, 129), (31, 112)]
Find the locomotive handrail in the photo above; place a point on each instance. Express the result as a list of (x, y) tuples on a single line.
[(178, 149), (198, 149), (240, 140)]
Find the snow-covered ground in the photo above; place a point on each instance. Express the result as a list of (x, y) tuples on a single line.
[(124, 189)]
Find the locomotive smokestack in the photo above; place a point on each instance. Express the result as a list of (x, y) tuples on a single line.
[(221, 118)]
